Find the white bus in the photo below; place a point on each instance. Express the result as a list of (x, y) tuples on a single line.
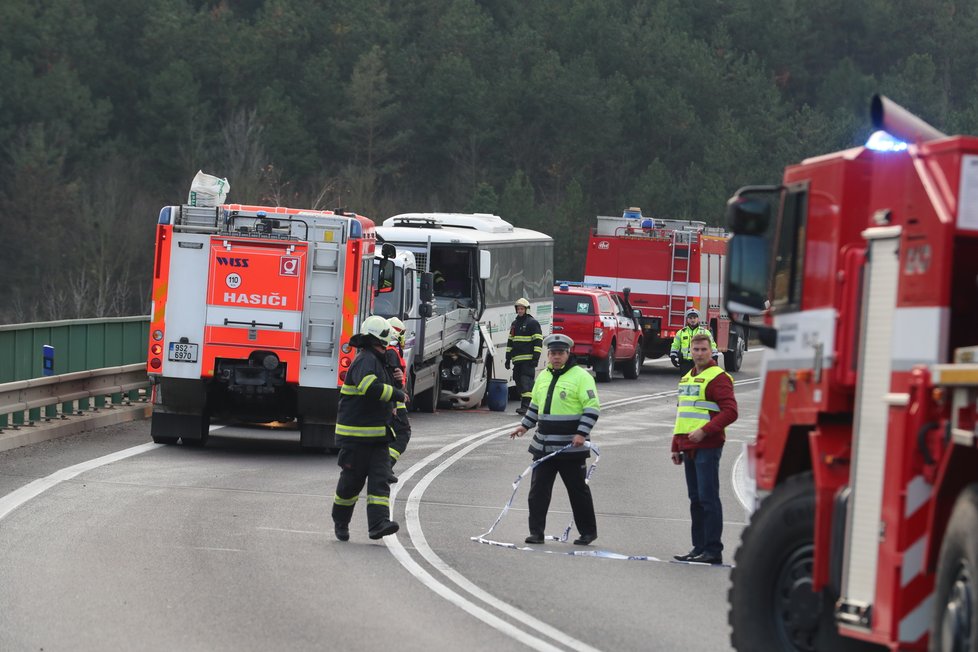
[(481, 265)]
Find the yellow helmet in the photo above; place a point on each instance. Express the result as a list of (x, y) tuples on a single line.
[(523, 302)]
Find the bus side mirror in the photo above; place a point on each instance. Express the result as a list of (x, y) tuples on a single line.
[(427, 287), (485, 269), (385, 276)]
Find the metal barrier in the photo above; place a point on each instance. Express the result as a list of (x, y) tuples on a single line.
[(79, 344), (70, 394)]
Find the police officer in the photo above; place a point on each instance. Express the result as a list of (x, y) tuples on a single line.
[(706, 406), (565, 408), (399, 429), (523, 351), (366, 405), (679, 353)]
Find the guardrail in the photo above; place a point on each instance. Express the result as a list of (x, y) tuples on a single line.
[(76, 393)]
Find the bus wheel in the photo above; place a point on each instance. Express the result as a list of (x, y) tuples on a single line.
[(955, 618), (772, 604)]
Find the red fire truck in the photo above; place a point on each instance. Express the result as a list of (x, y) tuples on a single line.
[(864, 264), (670, 266), (253, 309)]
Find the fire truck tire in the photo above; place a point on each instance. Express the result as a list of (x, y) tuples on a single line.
[(633, 368), (605, 369), (160, 439), (734, 358), (772, 605), (955, 618)]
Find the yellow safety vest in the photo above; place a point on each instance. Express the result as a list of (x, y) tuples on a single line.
[(694, 410)]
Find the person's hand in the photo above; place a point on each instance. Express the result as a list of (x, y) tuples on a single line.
[(519, 432), (697, 436), (578, 441), (677, 458), (506, 364), (399, 376), (675, 359)]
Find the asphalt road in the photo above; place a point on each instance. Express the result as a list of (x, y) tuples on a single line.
[(108, 542)]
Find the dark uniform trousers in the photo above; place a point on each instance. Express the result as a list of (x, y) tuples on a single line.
[(573, 470), (524, 374), (399, 433), (368, 461), (685, 366)]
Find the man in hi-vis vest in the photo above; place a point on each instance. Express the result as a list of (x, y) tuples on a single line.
[(706, 406)]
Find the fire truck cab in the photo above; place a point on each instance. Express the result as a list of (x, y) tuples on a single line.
[(253, 310), (863, 266)]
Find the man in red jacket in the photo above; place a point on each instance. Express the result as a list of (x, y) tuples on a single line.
[(706, 406)]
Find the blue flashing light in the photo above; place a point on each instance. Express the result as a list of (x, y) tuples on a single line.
[(632, 214), (356, 229), (648, 224), (164, 216), (880, 141)]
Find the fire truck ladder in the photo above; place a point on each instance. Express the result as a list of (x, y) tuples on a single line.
[(682, 241)]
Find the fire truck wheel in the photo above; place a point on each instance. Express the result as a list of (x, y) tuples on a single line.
[(606, 369), (159, 439), (955, 618), (734, 358), (633, 368), (772, 604)]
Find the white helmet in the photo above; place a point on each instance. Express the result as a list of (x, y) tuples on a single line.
[(558, 341), (376, 327), (397, 326), (692, 312), (523, 302)]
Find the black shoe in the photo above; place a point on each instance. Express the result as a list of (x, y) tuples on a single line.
[(384, 531), (585, 539), (392, 479), (342, 531), (521, 410), (706, 558), (689, 555), (534, 538)]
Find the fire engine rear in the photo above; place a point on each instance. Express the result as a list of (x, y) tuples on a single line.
[(669, 266), (863, 264), (253, 308)]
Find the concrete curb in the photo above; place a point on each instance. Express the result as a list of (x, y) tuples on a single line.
[(45, 430)]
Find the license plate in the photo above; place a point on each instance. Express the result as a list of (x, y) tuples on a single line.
[(180, 352)]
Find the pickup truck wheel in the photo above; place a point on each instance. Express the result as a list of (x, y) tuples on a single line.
[(607, 367), (633, 369)]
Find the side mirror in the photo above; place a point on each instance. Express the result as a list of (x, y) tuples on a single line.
[(387, 250), (425, 310), (749, 211), (385, 276), (637, 316), (427, 287), (485, 268)]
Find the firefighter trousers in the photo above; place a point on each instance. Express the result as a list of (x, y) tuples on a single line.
[(572, 470), (523, 376), (364, 463), (398, 434)]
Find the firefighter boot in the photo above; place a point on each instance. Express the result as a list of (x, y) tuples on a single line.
[(524, 404), (342, 531), (384, 530)]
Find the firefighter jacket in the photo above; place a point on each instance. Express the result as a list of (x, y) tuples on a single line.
[(706, 400), (525, 340), (564, 404), (366, 400), (681, 342), (394, 360)]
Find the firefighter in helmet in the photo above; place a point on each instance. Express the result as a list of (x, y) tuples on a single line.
[(399, 429), (367, 402), (679, 354), (523, 351)]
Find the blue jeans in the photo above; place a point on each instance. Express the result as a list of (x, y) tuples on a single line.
[(703, 486)]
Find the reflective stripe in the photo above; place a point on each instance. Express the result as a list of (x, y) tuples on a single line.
[(349, 390), (562, 417), (401, 406), (345, 502), (699, 416), (394, 453), (361, 431), (706, 405), (378, 500), (524, 338), (526, 357), (365, 383), (386, 393)]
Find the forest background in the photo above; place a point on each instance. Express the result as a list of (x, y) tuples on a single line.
[(545, 112)]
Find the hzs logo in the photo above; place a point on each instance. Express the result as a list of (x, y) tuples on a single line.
[(232, 262)]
